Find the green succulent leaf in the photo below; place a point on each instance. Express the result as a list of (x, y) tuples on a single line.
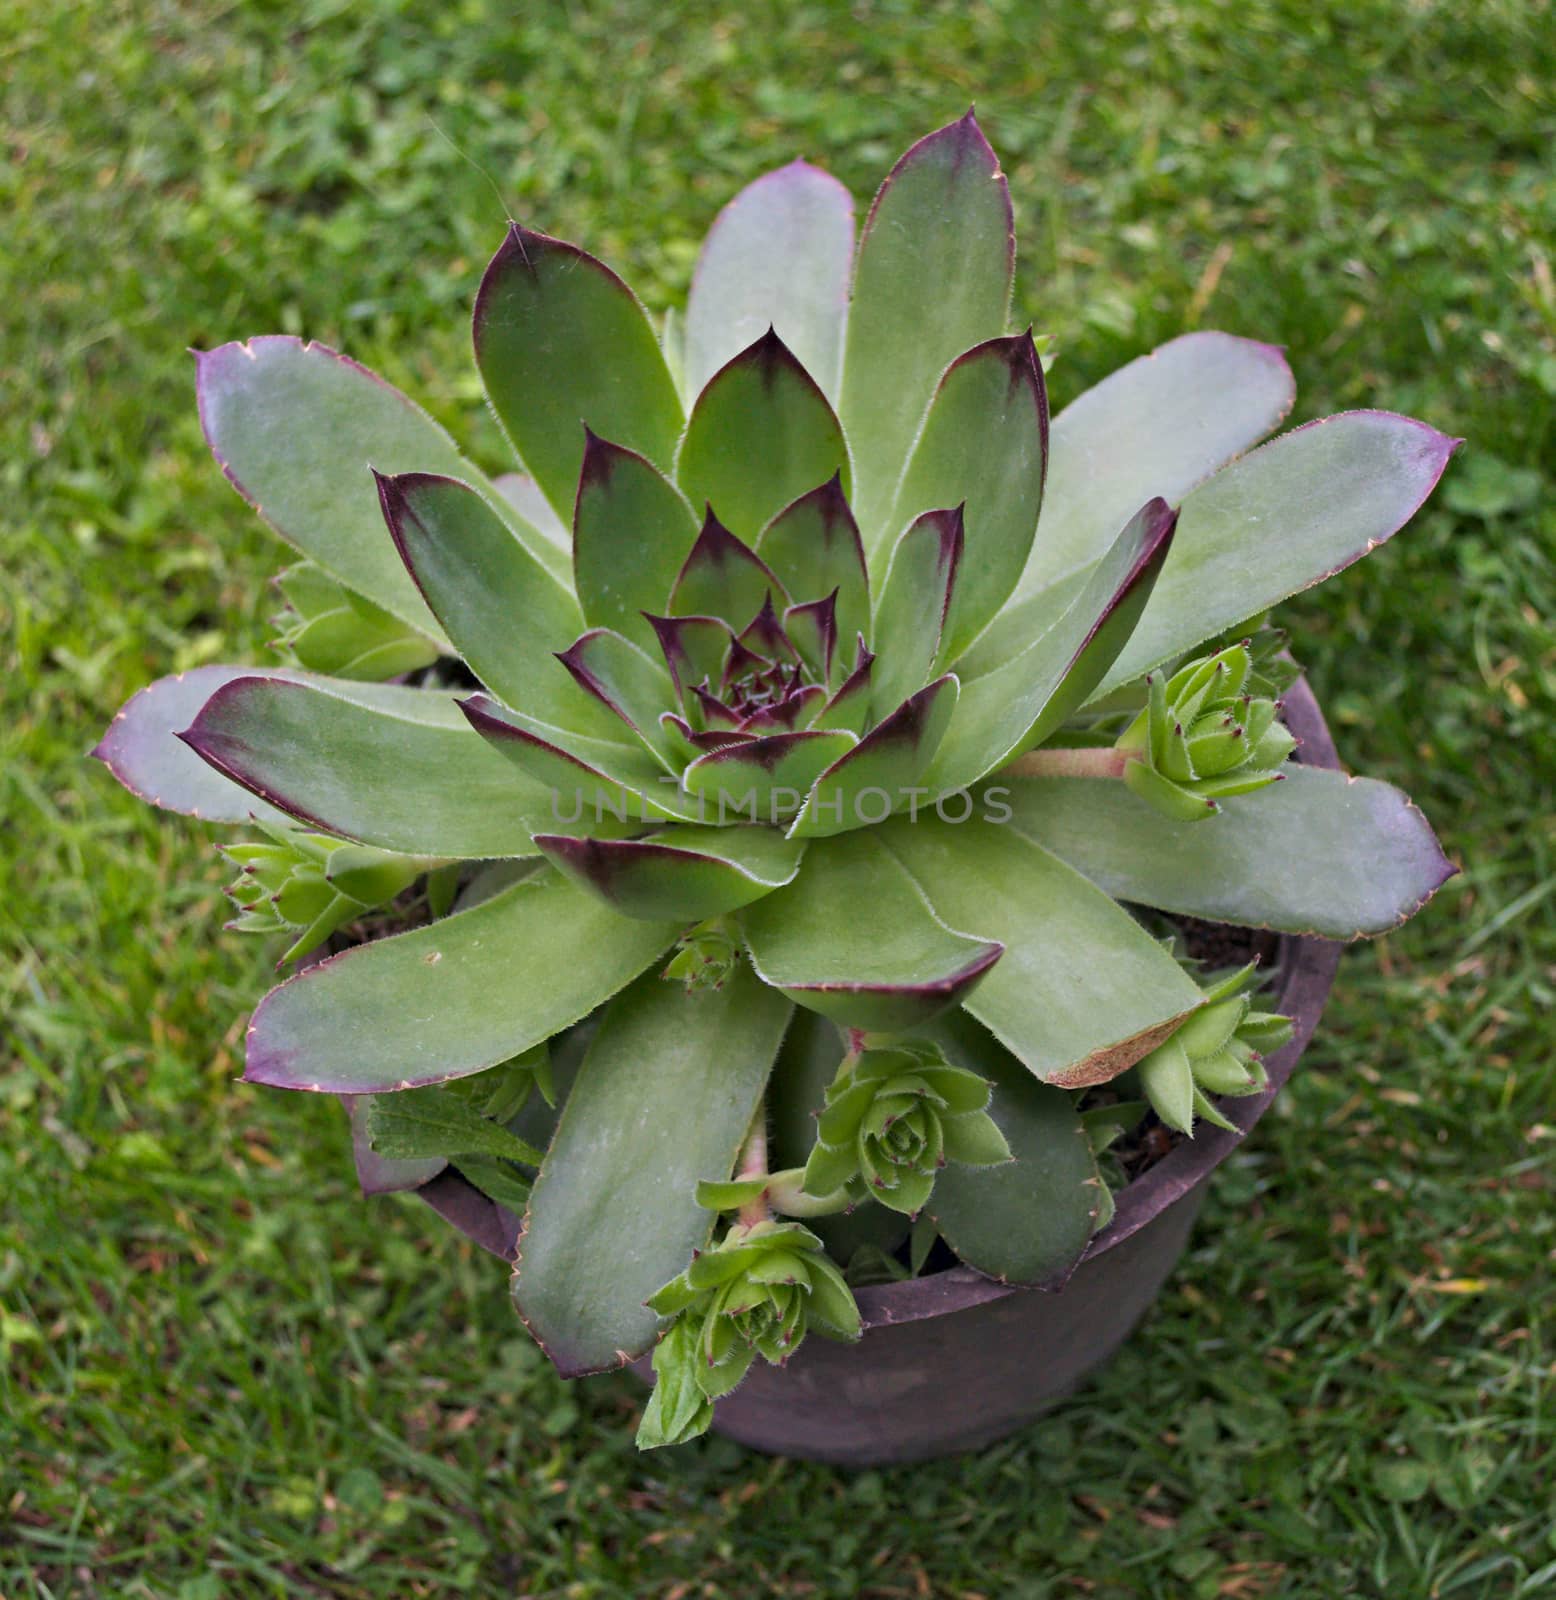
[(1321, 853), (1029, 1219), (613, 1213), (984, 447), (884, 771), (723, 577), (677, 1408), (854, 938), (682, 874), (331, 629), (1082, 991), (937, 257), (325, 1029), (631, 530), (1023, 700), (767, 779), (563, 345), (1291, 513), (779, 255), (295, 428), (497, 1179), (813, 547), (397, 769), (760, 435), (377, 1174), (1157, 427), (504, 610), (915, 603), (627, 682)]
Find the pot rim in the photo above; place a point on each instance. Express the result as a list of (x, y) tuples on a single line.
[(1307, 969)]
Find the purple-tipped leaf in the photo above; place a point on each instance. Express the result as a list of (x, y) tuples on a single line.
[(723, 577), (849, 706), (1022, 702), (763, 780), (813, 546), (563, 344), (916, 602), (854, 938), (760, 435), (1294, 512), (985, 443), (1159, 426), (589, 785), (411, 779), (623, 679), (695, 649), (682, 874), (779, 255), (937, 257), (631, 530), (812, 629), (885, 771)]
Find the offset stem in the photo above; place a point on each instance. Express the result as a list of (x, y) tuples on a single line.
[(753, 1164), (1092, 762)]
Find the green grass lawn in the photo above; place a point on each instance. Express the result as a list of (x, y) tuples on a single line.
[(225, 1375)]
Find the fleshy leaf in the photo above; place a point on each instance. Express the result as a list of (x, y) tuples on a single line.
[(684, 874), (378, 1174), (1320, 853), (985, 443), (295, 427), (1027, 1220), (916, 602), (1294, 512), (503, 610), (632, 529), (465, 993), (722, 577), (763, 780), (761, 435), (854, 938), (778, 255), (404, 774), (933, 279), (1159, 426), (628, 682), (581, 779), (1020, 703), (563, 344), (664, 1098), (1083, 991), (813, 547), (887, 765)]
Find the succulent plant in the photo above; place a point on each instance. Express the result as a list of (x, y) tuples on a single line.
[(802, 665)]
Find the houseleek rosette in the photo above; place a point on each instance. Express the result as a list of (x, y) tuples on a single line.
[(781, 594)]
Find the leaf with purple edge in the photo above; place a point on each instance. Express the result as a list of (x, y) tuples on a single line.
[(324, 1029), (915, 603), (1017, 705), (779, 255), (502, 609), (594, 785), (682, 874), (631, 530), (563, 344), (760, 436), (812, 630), (764, 780), (626, 681), (813, 546), (850, 704), (1084, 991), (1292, 513), (985, 443), (1159, 426), (403, 774), (1319, 853), (888, 765), (695, 649), (937, 256), (613, 1215), (723, 577), (854, 938)]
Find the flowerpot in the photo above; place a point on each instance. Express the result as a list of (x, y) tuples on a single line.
[(1014, 1351)]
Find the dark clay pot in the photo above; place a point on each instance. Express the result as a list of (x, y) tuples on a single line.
[(1015, 1351)]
